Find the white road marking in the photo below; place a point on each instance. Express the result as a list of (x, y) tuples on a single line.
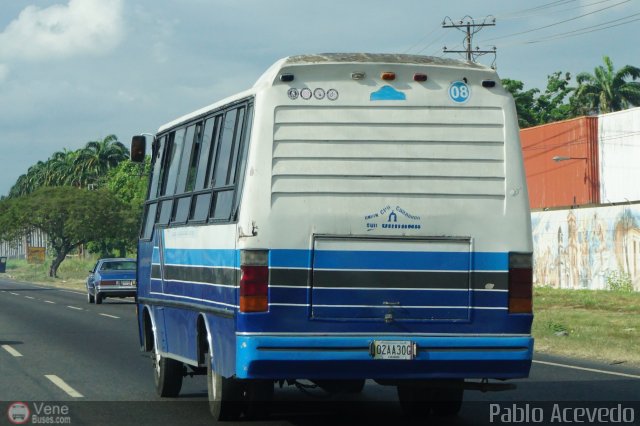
[(29, 297), (75, 307), (110, 316), (73, 292), (49, 301), (11, 350), (15, 294), (593, 370), (64, 386)]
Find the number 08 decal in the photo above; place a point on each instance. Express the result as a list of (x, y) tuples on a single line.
[(459, 92)]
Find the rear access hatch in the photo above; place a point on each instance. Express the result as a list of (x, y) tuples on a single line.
[(391, 279)]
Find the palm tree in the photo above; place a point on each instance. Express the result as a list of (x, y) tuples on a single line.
[(97, 157), (608, 90)]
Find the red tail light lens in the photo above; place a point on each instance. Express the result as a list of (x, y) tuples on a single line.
[(254, 281), (520, 283)]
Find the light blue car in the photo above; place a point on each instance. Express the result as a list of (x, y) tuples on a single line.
[(111, 278)]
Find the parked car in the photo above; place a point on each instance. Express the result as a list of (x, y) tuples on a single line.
[(111, 278)]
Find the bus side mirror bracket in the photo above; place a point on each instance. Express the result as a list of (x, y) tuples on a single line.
[(138, 148)]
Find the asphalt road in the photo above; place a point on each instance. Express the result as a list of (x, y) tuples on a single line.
[(80, 363)]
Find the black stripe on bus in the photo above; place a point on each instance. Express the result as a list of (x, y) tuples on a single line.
[(387, 279), (198, 274)]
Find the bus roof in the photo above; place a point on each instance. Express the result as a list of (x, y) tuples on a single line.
[(387, 58), (268, 77)]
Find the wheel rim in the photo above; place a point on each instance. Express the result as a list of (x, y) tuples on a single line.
[(214, 383), (155, 358)]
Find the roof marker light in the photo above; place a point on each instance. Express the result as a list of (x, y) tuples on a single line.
[(358, 75), (419, 77), (286, 77), (389, 76)]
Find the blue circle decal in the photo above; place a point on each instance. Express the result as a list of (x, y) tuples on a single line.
[(459, 92)]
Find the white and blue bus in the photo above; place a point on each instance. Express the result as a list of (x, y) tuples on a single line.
[(349, 217)]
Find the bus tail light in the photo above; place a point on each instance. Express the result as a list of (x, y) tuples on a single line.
[(254, 281), (520, 283)]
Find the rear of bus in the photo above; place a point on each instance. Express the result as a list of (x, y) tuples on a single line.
[(384, 225)]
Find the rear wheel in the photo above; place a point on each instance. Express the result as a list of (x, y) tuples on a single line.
[(167, 372), (225, 394)]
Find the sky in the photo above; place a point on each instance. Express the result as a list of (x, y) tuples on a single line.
[(74, 71)]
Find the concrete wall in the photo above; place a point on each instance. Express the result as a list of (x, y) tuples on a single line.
[(582, 248), (619, 150)]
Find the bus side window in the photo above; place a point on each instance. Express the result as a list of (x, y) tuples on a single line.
[(156, 160), (225, 145), (172, 163), (149, 221), (209, 138), (242, 160), (231, 177), (183, 170), (195, 159)]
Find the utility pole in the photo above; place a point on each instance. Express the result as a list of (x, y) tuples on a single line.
[(468, 26)]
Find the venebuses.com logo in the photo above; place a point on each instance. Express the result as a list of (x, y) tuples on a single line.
[(18, 413)]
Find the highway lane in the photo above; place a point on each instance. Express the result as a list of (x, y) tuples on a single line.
[(93, 350)]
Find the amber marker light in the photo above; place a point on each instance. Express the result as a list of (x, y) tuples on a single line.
[(388, 76)]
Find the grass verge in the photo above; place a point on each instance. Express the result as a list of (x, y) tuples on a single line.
[(597, 325), (72, 273)]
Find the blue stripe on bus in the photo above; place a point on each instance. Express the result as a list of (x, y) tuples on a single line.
[(385, 260), (349, 260), (228, 258)]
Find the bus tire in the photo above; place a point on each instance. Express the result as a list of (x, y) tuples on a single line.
[(167, 373), (225, 394), (416, 401)]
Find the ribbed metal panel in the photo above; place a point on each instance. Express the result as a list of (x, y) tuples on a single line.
[(423, 151)]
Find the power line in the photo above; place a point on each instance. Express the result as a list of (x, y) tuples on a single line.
[(582, 31), (558, 23), (537, 8)]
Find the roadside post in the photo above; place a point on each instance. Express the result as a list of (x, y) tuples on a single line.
[(3, 264)]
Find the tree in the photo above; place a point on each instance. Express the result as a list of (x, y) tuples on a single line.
[(607, 90), (69, 216), (80, 168), (128, 183), (551, 105), (524, 101), (98, 157), (535, 108)]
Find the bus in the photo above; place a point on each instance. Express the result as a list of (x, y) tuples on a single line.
[(350, 217)]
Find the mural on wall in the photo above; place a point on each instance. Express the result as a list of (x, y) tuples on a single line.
[(587, 248)]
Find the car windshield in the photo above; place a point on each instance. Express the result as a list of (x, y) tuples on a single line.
[(118, 266)]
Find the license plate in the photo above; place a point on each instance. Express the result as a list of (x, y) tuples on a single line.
[(393, 349), (127, 283)]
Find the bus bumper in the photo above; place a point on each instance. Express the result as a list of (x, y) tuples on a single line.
[(323, 357)]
